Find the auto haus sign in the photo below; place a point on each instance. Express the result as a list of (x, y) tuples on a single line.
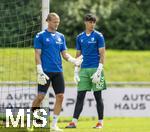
[(130, 102), (118, 102), (133, 102), (18, 100), (19, 97)]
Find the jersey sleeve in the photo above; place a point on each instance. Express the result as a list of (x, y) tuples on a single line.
[(63, 46), (78, 46), (37, 42), (101, 40)]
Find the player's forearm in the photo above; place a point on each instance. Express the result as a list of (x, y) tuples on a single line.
[(37, 60), (78, 53), (65, 55), (37, 56), (102, 55), (102, 59)]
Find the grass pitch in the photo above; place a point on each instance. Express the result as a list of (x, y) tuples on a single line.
[(86, 124), (112, 125)]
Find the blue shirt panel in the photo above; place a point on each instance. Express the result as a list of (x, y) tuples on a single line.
[(51, 45), (89, 46)]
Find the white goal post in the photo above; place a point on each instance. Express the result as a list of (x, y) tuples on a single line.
[(45, 11), (20, 20)]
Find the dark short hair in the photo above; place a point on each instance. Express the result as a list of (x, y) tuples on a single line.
[(90, 17)]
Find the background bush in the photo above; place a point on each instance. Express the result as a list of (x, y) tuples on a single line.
[(124, 23)]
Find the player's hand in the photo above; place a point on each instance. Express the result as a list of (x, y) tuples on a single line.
[(97, 75), (42, 77), (76, 61), (76, 74), (79, 60)]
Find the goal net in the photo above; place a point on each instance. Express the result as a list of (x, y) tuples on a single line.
[(20, 20)]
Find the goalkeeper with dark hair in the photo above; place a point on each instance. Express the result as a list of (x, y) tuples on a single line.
[(90, 77), (49, 46)]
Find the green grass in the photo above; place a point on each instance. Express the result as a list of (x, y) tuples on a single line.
[(128, 65), (18, 64), (113, 125), (110, 125)]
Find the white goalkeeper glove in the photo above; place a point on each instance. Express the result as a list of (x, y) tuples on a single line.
[(42, 77), (76, 74), (76, 61), (97, 75)]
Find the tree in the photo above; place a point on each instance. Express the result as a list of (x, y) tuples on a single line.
[(124, 23), (129, 26)]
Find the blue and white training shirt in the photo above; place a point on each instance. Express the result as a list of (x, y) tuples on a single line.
[(51, 44), (89, 47)]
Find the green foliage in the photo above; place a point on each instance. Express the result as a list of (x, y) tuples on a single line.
[(72, 19), (129, 26), (19, 20), (124, 23)]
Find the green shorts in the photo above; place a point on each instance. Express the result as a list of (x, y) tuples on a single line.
[(86, 84)]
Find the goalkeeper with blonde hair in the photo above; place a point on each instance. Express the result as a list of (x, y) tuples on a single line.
[(49, 46)]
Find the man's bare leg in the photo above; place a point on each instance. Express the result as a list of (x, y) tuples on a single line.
[(57, 110)]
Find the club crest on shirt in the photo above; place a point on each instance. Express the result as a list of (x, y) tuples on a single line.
[(47, 40), (58, 41), (92, 40)]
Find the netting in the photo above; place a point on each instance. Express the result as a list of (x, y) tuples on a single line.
[(19, 21)]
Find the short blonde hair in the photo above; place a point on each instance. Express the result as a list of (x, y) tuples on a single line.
[(50, 15)]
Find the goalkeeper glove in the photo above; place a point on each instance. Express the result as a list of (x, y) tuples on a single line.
[(77, 61), (97, 75), (42, 77), (76, 74)]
